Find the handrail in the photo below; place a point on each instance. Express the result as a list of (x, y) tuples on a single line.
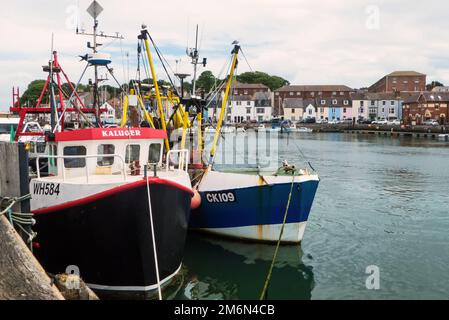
[(79, 157), (183, 162)]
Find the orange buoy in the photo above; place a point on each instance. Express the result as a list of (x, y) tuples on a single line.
[(196, 200)]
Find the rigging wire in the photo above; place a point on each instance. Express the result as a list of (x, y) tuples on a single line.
[(243, 54)]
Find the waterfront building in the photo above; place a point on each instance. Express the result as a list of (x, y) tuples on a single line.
[(425, 106), (256, 107), (375, 106), (441, 89), (400, 81), (308, 92), (335, 108), (293, 109)]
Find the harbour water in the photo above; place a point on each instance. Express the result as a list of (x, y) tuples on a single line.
[(381, 202)]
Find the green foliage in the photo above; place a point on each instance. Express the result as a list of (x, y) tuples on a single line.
[(273, 82), (433, 84), (206, 81), (32, 93)]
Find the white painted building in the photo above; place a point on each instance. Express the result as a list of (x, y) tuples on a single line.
[(374, 106), (107, 117)]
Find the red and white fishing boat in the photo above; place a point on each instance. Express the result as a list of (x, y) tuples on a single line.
[(123, 227)]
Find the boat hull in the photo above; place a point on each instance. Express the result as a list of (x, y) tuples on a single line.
[(254, 211), (109, 239)]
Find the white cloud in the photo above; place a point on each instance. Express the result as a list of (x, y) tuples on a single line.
[(307, 42)]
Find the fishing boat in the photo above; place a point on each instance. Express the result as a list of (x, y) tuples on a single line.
[(253, 206), (122, 226)]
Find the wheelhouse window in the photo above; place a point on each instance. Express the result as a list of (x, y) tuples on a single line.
[(155, 153), (132, 153), (74, 162), (105, 149)]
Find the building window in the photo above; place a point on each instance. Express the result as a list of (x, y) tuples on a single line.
[(344, 110), (276, 93), (248, 103), (293, 118), (293, 110), (361, 110), (105, 149), (298, 93), (437, 107), (323, 102), (236, 92), (310, 112), (334, 101), (238, 103), (245, 92), (334, 93), (320, 93), (260, 110), (248, 118), (75, 162), (291, 93), (392, 103), (342, 93), (391, 110), (384, 103), (312, 94), (346, 102), (372, 102), (362, 103), (248, 110), (322, 110)]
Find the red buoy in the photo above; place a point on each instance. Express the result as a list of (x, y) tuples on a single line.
[(196, 200)]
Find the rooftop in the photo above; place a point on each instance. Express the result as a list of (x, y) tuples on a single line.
[(315, 88), (405, 74)]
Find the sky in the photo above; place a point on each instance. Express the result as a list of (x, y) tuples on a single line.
[(350, 42)]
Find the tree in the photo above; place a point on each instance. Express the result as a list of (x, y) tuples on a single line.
[(433, 84), (273, 82), (206, 81), (32, 93)]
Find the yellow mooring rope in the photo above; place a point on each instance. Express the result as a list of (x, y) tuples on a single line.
[(267, 280)]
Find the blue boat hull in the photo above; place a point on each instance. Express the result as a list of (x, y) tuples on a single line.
[(256, 212)]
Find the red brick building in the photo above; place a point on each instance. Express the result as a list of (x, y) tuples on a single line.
[(308, 92), (247, 89), (400, 81), (426, 106)]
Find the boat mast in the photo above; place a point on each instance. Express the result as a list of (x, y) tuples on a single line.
[(94, 11), (195, 55), (224, 103)]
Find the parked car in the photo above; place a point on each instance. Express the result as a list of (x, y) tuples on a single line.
[(431, 123), (380, 121), (395, 122), (309, 120), (321, 121), (334, 121), (364, 121)]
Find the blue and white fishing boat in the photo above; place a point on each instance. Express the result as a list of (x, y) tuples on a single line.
[(250, 205)]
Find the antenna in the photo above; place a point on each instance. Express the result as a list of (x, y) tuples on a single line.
[(96, 60), (194, 54)]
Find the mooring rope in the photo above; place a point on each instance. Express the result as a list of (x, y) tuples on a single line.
[(267, 280), (156, 264)]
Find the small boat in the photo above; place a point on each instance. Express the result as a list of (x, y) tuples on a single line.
[(8, 125), (261, 128), (304, 129), (444, 137), (100, 210)]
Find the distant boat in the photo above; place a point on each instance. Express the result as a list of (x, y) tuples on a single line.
[(444, 137), (304, 129)]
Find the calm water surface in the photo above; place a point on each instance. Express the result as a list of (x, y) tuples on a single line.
[(382, 201)]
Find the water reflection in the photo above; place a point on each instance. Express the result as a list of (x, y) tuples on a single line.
[(223, 269)]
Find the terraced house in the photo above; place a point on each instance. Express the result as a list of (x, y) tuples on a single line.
[(425, 106), (375, 106), (308, 92)]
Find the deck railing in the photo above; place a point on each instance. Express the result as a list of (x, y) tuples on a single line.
[(183, 159)]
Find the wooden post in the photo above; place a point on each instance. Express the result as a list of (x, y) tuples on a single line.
[(21, 275)]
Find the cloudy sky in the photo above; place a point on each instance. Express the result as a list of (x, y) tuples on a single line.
[(352, 42)]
